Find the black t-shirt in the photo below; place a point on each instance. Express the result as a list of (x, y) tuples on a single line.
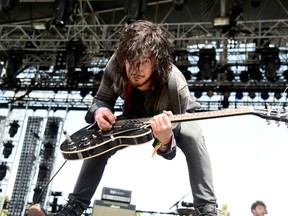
[(137, 103)]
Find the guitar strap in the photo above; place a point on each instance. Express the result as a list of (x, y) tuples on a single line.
[(174, 97)]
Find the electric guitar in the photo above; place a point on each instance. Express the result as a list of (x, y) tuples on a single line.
[(90, 141)]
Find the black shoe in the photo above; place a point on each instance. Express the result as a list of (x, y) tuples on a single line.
[(207, 210), (70, 209)]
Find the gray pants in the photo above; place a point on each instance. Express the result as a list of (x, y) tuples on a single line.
[(189, 139)]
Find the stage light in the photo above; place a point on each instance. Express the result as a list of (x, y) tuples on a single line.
[(252, 95), (62, 11), (8, 147), (270, 62), (210, 93), (225, 102), (13, 128), (229, 75), (74, 53), (83, 93), (221, 21), (244, 76), (198, 94), (239, 95), (86, 75), (75, 77), (207, 63), (13, 64), (43, 170), (223, 71), (37, 196), (278, 95), (234, 13), (48, 150), (182, 62), (53, 128), (255, 73), (8, 5), (264, 95), (39, 25), (3, 170), (285, 75), (134, 9), (178, 4)]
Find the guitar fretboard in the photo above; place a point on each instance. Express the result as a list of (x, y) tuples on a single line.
[(211, 114), (262, 113)]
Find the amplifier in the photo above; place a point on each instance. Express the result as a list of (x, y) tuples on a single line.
[(118, 195), (109, 208)]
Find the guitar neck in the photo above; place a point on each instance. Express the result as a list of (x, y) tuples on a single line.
[(211, 114), (262, 113)]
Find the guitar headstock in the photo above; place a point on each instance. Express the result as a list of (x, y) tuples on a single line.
[(272, 115)]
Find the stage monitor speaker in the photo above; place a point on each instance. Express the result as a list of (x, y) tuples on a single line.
[(109, 208)]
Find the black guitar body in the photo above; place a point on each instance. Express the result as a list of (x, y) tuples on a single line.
[(90, 142)]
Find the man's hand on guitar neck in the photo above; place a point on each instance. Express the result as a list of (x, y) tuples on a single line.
[(162, 128), (104, 118)]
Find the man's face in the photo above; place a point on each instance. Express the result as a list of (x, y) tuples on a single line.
[(259, 211), (140, 77)]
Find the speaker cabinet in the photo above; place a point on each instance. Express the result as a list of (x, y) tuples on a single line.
[(108, 208)]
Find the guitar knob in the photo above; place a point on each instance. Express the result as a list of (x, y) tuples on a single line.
[(84, 142), (72, 147)]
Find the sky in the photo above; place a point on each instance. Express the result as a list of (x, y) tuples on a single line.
[(248, 156)]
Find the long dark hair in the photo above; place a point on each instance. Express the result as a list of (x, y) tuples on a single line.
[(144, 37)]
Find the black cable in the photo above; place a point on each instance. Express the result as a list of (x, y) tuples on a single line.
[(38, 198)]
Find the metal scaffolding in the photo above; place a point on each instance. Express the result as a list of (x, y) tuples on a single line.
[(26, 168)]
